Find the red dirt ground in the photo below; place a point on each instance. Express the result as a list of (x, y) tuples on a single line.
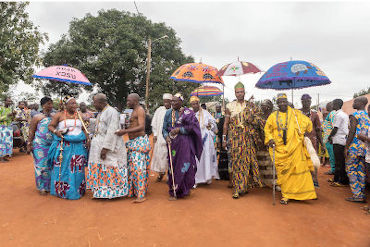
[(209, 217)]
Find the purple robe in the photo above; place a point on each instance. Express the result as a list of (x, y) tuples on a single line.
[(184, 148)]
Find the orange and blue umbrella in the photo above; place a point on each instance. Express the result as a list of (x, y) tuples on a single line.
[(196, 72), (292, 75), (206, 91)]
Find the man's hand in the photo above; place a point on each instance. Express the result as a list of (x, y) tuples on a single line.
[(168, 140), (175, 131), (346, 152), (120, 132), (154, 139), (330, 139), (88, 143), (271, 143), (29, 148), (103, 153)]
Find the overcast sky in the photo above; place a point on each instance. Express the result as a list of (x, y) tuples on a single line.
[(335, 36)]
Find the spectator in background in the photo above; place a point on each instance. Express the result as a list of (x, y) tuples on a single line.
[(338, 137), (356, 148)]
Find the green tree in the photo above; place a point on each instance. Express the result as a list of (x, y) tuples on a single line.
[(19, 44), (362, 92), (111, 50)]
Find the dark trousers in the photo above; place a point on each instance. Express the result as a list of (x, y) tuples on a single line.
[(340, 174)]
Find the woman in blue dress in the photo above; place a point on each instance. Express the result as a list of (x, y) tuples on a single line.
[(68, 154), (39, 141)]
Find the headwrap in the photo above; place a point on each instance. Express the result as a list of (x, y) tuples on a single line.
[(67, 99), (281, 96), (239, 85), (167, 96), (305, 96), (178, 95), (194, 99)]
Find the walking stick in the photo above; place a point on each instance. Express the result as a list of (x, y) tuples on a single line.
[(59, 189), (273, 175), (171, 166)]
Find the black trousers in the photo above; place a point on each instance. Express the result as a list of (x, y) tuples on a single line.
[(340, 174)]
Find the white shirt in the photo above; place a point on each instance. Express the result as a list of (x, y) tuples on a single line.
[(341, 121)]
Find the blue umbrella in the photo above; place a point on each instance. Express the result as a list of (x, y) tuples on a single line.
[(292, 75)]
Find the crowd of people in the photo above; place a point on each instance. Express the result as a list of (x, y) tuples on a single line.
[(192, 146)]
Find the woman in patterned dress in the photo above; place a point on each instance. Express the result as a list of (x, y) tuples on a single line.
[(68, 153), (39, 141)]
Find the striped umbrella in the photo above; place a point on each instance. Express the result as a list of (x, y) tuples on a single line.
[(206, 91)]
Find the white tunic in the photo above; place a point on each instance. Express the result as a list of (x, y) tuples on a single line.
[(107, 122), (207, 166), (159, 159)]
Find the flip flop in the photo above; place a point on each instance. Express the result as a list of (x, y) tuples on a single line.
[(353, 199), (284, 201)]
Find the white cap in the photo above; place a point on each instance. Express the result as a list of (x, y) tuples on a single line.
[(167, 96)]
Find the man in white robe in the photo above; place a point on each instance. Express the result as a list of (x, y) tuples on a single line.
[(207, 166), (159, 160), (107, 166)]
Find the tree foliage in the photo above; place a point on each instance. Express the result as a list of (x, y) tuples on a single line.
[(19, 44), (111, 50), (362, 92)]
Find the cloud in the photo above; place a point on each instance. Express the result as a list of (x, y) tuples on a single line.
[(334, 35)]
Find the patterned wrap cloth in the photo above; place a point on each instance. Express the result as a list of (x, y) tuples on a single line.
[(41, 144), (6, 132), (245, 134), (71, 182), (138, 166), (355, 163)]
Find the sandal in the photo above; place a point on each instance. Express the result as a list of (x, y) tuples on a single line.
[(353, 199), (336, 184), (331, 180), (236, 195), (284, 201)]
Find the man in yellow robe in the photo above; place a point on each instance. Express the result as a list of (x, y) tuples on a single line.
[(285, 129)]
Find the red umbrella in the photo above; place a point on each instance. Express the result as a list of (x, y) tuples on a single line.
[(238, 68)]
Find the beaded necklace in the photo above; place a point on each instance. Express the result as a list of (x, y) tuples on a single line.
[(65, 120), (281, 126), (98, 120)]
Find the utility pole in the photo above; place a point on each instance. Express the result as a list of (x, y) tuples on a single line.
[(148, 65)]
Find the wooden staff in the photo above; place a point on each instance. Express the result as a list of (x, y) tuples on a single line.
[(273, 175), (60, 164), (171, 166), (83, 123)]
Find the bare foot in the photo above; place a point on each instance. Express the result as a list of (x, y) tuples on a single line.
[(172, 198), (137, 200), (43, 192)]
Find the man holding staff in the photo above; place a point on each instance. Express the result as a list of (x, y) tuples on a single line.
[(182, 133), (285, 130)]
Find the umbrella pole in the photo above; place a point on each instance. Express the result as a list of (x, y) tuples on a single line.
[(292, 96)]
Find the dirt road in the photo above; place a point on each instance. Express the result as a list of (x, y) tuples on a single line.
[(209, 217)]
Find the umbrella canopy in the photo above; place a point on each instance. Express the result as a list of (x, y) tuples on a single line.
[(196, 72), (238, 68), (292, 75), (63, 73), (206, 91)]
